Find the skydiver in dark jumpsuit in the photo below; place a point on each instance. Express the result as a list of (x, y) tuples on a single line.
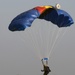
[(46, 68)]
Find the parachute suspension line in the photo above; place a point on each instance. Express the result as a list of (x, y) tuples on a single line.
[(43, 36), (21, 37), (33, 34), (52, 39), (64, 31), (40, 39), (60, 31), (54, 42), (49, 38), (45, 33), (29, 35)]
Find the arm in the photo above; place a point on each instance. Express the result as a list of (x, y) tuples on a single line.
[(42, 62)]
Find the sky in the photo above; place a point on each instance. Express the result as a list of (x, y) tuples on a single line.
[(17, 55)]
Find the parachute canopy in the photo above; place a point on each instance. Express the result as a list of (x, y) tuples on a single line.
[(49, 13)]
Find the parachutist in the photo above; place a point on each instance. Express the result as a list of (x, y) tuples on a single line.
[(46, 69)]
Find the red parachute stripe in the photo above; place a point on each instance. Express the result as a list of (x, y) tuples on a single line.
[(40, 9)]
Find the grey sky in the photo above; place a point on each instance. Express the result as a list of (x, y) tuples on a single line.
[(18, 57)]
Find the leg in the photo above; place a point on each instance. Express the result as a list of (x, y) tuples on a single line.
[(44, 74)]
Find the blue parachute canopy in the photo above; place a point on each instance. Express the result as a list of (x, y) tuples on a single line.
[(56, 16)]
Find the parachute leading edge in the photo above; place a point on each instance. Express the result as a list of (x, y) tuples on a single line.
[(49, 13)]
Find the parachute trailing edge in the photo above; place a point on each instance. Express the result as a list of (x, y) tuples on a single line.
[(49, 13)]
